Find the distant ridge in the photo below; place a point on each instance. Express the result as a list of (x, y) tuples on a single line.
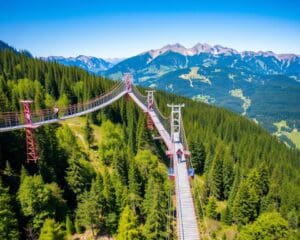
[(91, 64), (262, 85), (216, 50)]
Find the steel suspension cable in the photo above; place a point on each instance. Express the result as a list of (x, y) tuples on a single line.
[(185, 143), (202, 210), (169, 216), (12, 119)]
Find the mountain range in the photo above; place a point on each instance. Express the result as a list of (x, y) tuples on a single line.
[(264, 86), (91, 64)]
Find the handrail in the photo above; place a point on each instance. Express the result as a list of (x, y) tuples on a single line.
[(15, 120), (140, 96), (185, 144), (179, 199)]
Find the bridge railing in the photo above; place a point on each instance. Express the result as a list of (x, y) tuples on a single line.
[(163, 119), (82, 107), (13, 119), (139, 96), (186, 149)]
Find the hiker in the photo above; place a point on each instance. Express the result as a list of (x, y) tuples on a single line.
[(179, 154), (55, 112), (150, 105)]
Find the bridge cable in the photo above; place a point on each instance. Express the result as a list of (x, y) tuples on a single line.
[(198, 195)]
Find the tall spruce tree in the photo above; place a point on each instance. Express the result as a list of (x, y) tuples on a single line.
[(245, 205), (211, 208), (228, 174), (198, 156), (52, 231), (8, 221), (155, 207), (128, 226), (216, 178)]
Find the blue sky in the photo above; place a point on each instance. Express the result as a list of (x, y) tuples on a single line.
[(118, 28)]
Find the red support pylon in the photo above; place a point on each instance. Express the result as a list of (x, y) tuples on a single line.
[(31, 145), (149, 122), (127, 97)]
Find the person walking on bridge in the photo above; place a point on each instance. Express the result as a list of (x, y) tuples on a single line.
[(55, 112), (179, 154)]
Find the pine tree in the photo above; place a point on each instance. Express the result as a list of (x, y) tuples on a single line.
[(245, 205), (88, 132), (155, 208), (134, 187), (128, 226), (131, 126), (108, 192), (228, 174), (69, 225), (226, 216), (8, 221), (120, 163), (88, 213), (211, 208), (267, 226), (264, 178), (142, 134), (216, 179), (51, 231), (79, 174), (198, 156)]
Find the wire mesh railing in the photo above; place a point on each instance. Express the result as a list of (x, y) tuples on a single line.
[(139, 96), (165, 121), (40, 116), (186, 149)]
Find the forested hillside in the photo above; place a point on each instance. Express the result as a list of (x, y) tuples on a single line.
[(116, 184)]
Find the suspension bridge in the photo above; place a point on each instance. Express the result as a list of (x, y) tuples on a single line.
[(170, 130)]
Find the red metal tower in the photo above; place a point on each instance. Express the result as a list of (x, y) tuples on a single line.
[(31, 145)]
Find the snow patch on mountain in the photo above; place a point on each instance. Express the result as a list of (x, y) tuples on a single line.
[(295, 78), (193, 75), (239, 94), (231, 76), (170, 87), (204, 98)]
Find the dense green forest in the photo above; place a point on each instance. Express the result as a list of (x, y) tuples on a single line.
[(246, 179)]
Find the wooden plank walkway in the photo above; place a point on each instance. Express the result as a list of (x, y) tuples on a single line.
[(186, 217), (187, 226)]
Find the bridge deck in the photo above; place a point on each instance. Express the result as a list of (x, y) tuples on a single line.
[(186, 217), (187, 225), (158, 125)]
